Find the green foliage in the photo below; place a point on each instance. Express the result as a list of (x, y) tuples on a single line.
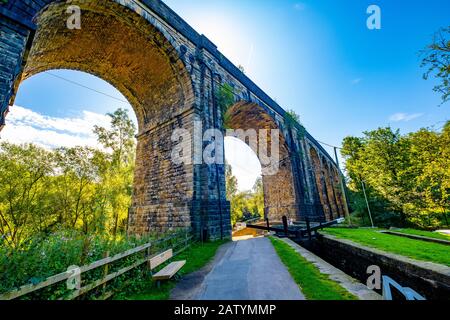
[(407, 177), (244, 205), (120, 139), (76, 188), (416, 249), (437, 61), (225, 99), (25, 179), (46, 255), (231, 182), (292, 117), (314, 284), (293, 120)]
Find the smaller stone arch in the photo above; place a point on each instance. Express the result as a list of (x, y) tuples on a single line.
[(320, 182), (330, 188), (280, 196), (338, 192)]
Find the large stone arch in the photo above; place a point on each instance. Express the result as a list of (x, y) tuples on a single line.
[(280, 197), (122, 48)]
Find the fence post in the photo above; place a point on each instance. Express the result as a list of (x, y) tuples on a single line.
[(105, 269), (149, 254)]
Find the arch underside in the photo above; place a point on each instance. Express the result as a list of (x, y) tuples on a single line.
[(120, 47), (279, 190)]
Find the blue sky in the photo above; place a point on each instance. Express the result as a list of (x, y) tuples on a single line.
[(315, 57)]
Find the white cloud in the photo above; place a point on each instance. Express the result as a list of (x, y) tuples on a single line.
[(405, 117), (24, 125), (356, 81)]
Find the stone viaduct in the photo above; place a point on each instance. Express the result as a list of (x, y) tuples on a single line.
[(170, 74)]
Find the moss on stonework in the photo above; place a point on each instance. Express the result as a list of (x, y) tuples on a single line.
[(225, 99)]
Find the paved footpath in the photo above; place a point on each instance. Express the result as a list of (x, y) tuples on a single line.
[(242, 270)]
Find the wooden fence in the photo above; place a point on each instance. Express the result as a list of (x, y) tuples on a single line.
[(185, 239)]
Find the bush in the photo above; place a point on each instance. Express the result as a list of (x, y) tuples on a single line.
[(45, 256), (428, 221)]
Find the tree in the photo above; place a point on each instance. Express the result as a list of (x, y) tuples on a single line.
[(80, 188), (118, 177), (257, 200), (370, 160), (437, 61), (430, 153), (232, 194), (244, 205), (75, 186), (231, 182), (120, 138), (406, 176)]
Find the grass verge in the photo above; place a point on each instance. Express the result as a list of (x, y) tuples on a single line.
[(314, 284), (415, 249), (197, 256)]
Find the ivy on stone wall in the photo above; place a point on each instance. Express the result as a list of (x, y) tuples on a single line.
[(225, 99), (293, 120)]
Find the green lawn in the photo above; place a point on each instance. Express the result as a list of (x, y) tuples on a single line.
[(197, 256), (427, 234), (314, 285), (416, 249)]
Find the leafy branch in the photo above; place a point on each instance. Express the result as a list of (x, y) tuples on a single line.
[(437, 60)]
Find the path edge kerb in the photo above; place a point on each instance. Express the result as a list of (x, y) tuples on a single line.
[(416, 237), (349, 283)]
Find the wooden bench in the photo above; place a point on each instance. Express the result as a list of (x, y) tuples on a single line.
[(169, 271)]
